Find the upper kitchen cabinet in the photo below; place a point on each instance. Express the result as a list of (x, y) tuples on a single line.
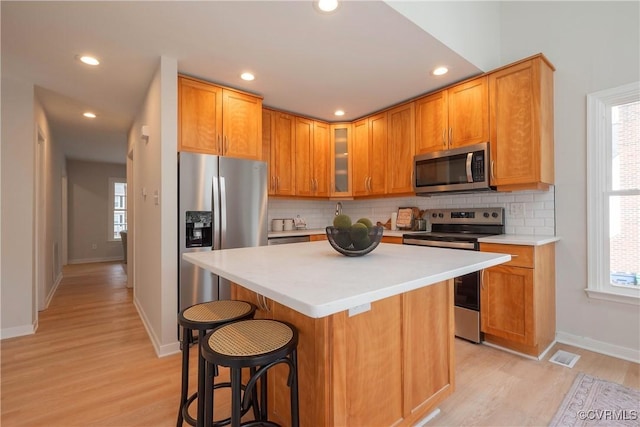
[(282, 167), (521, 123), (341, 182), (268, 145), (241, 125), (453, 117), (199, 116), (370, 156), (216, 120), (400, 149), (311, 158)]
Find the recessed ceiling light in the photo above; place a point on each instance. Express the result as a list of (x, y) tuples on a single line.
[(89, 60), (247, 76), (339, 113), (326, 6), (440, 71), (89, 115)]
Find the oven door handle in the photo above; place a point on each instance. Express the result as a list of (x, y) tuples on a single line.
[(469, 174), (439, 244)]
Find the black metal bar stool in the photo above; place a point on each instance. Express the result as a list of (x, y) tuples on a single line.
[(203, 318), (257, 344)]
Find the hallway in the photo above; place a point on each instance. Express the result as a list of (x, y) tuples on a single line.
[(90, 361)]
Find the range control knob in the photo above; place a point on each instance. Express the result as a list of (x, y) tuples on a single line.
[(434, 215), (495, 214), (441, 215), (486, 214)]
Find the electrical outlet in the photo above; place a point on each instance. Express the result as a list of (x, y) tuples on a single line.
[(94, 246), (517, 210)]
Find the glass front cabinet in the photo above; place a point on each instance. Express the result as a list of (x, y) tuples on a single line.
[(341, 167)]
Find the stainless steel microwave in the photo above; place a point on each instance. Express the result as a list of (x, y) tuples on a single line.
[(464, 169)]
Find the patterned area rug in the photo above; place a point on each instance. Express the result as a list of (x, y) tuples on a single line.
[(595, 402)]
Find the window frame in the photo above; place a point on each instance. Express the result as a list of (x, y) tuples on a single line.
[(599, 191), (110, 223)]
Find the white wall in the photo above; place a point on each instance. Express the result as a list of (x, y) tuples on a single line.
[(470, 28), (18, 315), (88, 211), (54, 169), (594, 46), (155, 218)]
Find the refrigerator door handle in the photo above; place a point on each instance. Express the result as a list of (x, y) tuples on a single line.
[(216, 212), (223, 213)]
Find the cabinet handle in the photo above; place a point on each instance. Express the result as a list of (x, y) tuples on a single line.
[(226, 144), (277, 183), (482, 278), (492, 177), (219, 143), (369, 184), (444, 138), (451, 137)]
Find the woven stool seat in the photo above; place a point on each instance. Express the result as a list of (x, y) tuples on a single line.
[(204, 317), (257, 344), (214, 313)]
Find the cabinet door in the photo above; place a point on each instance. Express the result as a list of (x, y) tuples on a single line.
[(303, 156), (320, 164), (268, 147), (378, 154), (429, 362), (469, 113), (521, 110), (284, 172), (242, 125), (432, 123), (199, 116), (341, 160), (360, 149), (507, 300), (400, 149)]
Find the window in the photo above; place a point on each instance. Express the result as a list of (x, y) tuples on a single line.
[(613, 194), (117, 207)]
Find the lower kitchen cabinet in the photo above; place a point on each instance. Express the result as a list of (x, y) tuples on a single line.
[(517, 308), (317, 237), (390, 365), (392, 239)]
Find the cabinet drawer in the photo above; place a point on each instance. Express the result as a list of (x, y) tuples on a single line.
[(521, 256)]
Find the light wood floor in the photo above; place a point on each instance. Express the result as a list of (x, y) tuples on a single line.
[(91, 364)]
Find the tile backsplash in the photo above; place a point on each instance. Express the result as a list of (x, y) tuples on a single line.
[(526, 212)]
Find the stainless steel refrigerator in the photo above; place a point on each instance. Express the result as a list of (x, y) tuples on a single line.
[(222, 204)]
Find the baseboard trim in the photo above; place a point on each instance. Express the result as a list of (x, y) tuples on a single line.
[(624, 353), (90, 260), (161, 350), (54, 288), (18, 331)]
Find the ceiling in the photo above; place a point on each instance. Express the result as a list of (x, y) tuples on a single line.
[(361, 58)]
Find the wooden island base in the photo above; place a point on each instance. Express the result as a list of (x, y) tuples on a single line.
[(389, 366)]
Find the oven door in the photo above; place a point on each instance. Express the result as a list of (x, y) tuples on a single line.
[(466, 290)]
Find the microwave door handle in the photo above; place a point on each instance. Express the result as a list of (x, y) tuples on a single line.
[(469, 174)]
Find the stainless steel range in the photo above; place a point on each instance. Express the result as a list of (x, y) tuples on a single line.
[(461, 229)]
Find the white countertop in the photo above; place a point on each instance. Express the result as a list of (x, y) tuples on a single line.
[(315, 280), (519, 239)]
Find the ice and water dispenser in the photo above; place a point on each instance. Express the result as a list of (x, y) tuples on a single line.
[(199, 232)]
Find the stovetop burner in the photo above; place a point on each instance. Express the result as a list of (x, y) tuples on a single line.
[(461, 225)]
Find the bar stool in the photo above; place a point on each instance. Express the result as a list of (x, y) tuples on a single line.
[(258, 344), (202, 318)]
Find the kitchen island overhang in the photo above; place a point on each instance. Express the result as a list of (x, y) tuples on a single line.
[(316, 281), (387, 364)]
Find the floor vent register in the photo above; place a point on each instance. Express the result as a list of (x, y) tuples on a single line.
[(564, 358)]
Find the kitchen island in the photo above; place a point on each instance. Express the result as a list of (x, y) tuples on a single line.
[(376, 332)]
